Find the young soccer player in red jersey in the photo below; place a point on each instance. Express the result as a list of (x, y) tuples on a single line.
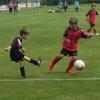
[(91, 18), (69, 46), (17, 51)]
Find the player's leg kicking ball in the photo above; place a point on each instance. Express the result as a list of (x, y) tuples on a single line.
[(17, 51), (70, 44)]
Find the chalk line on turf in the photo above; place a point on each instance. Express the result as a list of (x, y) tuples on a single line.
[(53, 79)]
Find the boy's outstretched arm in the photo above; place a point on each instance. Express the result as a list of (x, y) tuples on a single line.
[(99, 15), (85, 34), (8, 48)]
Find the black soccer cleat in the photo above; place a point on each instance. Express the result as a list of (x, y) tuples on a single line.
[(23, 77), (39, 62)]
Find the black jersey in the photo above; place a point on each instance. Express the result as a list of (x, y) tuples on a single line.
[(16, 44)]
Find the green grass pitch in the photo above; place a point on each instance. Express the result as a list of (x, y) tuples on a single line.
[(45, 41)]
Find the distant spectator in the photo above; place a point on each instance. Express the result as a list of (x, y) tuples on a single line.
[(26, 4), (15, 7), (10, 6), (76, 5), (65, 5), (0, 8), (60, 6)]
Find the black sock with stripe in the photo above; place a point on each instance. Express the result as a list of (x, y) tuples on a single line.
[(34, 62), (22, 71)]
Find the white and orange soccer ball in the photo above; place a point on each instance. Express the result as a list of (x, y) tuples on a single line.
[(79, 64)]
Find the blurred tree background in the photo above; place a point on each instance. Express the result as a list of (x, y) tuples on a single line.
[(50, 2)]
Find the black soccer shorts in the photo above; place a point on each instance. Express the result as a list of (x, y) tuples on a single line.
[(67, 52), (16, 56)]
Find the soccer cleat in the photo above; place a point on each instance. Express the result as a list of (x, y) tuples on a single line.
[(50, 67), (22, 77), (69, 71), (39, 62), (97, 34)]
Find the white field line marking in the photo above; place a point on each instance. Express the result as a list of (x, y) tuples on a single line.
[(54, 79)]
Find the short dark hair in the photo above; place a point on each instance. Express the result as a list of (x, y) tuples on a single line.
[(24, 31)]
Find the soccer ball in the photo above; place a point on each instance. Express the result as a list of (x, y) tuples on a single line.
[(53, 11), (79, 64), (49, 11)]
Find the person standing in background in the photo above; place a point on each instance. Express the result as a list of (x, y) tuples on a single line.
[(0, 8), (65, 6), (15, 8), (10, 6), (60, 6), (76, 5)]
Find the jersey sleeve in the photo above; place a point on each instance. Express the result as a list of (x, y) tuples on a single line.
[(16, 43), (97, 13), (87, 14), (65, 33), (19, 43)]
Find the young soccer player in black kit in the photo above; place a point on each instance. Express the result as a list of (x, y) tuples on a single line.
[(17, 51)]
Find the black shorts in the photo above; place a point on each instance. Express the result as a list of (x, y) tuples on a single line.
[(16, 56), (67, 52), (10, 10), (65, 7), (92, 24)]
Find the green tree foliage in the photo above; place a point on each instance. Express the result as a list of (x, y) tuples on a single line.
[(71, 1), (51, 2)]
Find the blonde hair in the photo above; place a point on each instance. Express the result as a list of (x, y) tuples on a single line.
[(93, 5)]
